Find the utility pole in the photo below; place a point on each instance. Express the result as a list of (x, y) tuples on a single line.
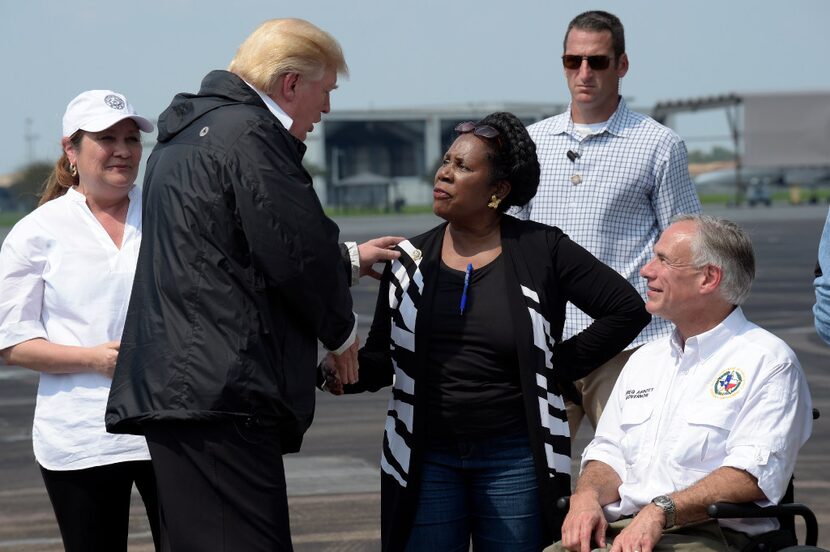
[(29, 138), (740, 185)]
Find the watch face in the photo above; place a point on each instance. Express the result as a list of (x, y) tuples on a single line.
[(667, 505), (663, 501)]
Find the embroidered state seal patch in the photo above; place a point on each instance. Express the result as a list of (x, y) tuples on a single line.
[(728, 383)]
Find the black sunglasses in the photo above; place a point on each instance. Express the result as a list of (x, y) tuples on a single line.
[(597, 63), (485, 131)]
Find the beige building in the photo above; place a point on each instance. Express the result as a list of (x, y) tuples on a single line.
[(388, 157)]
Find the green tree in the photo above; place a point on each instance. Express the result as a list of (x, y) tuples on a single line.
[(720, 153), (27, 186), (717, 153)]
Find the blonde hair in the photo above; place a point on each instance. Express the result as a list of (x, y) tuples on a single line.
[(61, 178), (280, 46)]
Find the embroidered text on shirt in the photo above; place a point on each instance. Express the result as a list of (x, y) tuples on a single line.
[(638, 394)]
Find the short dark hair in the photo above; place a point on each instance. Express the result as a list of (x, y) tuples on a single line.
[(514, 158), (599, 21)]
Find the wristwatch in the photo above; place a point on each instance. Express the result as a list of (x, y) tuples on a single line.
[(665, 503)]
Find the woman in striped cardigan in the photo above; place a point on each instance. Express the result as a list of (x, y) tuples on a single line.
[(467, 329)]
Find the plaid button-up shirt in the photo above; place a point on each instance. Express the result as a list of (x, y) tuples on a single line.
[(619, 193)]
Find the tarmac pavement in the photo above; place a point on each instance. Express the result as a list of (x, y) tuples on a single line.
[(334, 482)]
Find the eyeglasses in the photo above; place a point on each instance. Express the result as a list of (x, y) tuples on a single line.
[(597, 63), (485, 131)]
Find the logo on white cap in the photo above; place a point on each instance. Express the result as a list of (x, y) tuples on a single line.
[(114, 101), (96, 110)]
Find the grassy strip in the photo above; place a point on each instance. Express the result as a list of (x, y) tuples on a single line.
[(779, 196), (366, 211), (8, 219)]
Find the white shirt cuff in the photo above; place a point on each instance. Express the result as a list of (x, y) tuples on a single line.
[(764, 465), (349, 340), (611, 458), (354, 256), (17, 333)]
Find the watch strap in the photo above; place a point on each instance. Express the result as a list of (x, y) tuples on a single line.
[(666, 503)]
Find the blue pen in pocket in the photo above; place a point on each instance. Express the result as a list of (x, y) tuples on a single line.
[(466, 287)]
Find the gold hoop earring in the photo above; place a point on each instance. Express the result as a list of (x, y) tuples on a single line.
[(73, 170), (494, 202)]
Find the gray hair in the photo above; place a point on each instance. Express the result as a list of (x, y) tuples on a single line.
[(724, 244)]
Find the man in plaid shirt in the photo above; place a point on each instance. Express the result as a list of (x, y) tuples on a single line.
[(611, 179)]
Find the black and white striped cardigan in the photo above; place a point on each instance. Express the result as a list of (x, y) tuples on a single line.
[(545, 270)]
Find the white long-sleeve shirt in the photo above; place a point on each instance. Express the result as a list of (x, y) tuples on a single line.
[(734, 396), (63, 279)]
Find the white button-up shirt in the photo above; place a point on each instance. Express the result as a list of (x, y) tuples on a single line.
[(63, 279), (625, 183), (733, 396)]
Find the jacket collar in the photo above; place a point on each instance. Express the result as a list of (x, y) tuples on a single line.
[(219, 89), (273, 107)]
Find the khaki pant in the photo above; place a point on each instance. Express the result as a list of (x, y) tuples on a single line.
[(706, 536), (595, 389)]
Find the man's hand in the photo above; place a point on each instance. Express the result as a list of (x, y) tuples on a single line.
[(585, 522), (346, 363), (643, 533), (332, 382), (375, 251)]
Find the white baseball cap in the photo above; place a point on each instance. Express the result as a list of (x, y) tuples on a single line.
[(96, 110)]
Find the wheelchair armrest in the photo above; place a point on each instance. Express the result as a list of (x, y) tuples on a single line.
[(722, 510)]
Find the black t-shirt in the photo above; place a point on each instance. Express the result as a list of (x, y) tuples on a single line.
[(473, 388)]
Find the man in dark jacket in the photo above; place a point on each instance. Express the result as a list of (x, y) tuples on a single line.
[(239, 274)]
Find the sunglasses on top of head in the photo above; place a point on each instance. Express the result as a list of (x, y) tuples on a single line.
[(597, 63), (485, 131)]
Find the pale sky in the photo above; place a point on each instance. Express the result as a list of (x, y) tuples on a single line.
[(400, 53)]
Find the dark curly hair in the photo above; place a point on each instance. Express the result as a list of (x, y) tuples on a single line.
[(514, 158)]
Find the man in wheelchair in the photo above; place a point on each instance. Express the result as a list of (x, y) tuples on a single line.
[(716, 412)]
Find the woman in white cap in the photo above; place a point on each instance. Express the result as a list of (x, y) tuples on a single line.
[(66, 273)]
